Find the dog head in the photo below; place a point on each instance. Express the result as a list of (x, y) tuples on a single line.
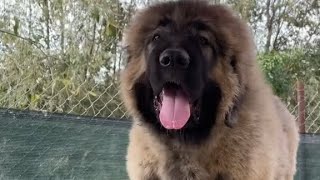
[(187, 67)]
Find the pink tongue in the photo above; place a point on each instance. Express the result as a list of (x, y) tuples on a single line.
[(175, 109)]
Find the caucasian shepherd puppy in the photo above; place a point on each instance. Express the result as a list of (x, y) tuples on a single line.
[(201, 107)]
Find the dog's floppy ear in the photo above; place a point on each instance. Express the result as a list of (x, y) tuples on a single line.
[(232, 116)]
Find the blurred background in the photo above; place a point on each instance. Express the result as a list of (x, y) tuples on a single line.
[(64, 57)]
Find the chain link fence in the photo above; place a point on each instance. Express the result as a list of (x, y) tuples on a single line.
[(307, 109), (28, 86), (86, 99), (62, 56)]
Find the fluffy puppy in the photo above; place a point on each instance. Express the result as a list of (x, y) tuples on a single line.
[(201, 108)]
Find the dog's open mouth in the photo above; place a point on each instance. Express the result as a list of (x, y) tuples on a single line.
[(174, 108)]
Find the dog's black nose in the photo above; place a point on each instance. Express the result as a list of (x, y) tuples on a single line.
[(175, 58)]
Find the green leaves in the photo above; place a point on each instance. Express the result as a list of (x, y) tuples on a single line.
[(111, 29), (282, 69), (95, 13), (16, 25)]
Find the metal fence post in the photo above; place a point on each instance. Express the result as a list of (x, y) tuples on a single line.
[(301, 107)]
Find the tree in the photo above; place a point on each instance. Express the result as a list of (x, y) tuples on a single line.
[(72, 47), (281, 25)]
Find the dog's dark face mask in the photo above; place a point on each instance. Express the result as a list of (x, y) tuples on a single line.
[(175, 94)]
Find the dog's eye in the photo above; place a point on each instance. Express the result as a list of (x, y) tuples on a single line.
[(156, 37), (204, 41)]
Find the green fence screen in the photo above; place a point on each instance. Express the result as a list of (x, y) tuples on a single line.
[(309, 157), (36, 145), (39, 146)]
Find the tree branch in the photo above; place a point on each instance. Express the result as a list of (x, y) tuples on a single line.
[(34, 43), (279, 26)]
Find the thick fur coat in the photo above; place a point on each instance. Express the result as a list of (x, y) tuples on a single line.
[(243, 131)]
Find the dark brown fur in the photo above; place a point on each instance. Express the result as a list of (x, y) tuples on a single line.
[(263, 139)]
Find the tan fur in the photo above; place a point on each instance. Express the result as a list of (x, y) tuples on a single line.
[(261, 146)]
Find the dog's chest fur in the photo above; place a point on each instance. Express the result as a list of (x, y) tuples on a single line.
[(214, 161)]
